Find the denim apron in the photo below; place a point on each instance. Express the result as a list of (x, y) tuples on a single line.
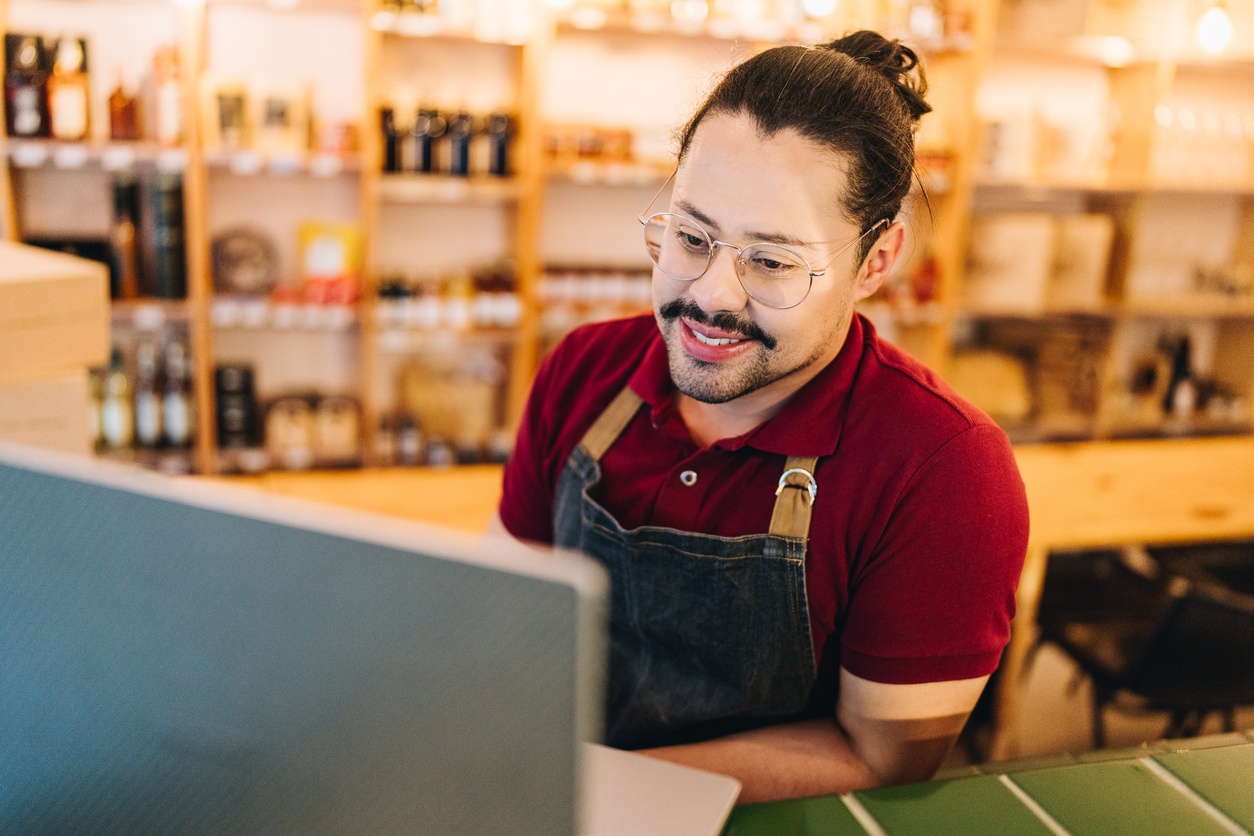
[(708, 634)]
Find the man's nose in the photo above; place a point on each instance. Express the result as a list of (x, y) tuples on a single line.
[(719, 288)]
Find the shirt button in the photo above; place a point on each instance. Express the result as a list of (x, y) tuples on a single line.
[(688, 477)]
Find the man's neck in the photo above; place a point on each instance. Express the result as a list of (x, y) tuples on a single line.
[(711, 422)]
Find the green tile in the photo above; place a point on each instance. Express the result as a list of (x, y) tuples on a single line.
[(1224, 777), (1130, 753), (1210, 741), (1115, 799), (1024, 764), (823, 816), (962, 807)]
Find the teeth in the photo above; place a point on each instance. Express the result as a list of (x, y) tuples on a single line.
[(701, 338)]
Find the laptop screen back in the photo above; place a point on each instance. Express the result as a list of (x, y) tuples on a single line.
[(177, 658)]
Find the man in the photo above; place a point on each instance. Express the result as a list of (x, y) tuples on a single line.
[(813, 542)]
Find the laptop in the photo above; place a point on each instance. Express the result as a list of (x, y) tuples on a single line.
[(179, 657)]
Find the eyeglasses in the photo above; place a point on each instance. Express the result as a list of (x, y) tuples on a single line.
[(770, 274)]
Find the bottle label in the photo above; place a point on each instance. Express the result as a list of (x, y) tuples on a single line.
[(178, 419), (169, 118), (148, 420), (116, 422), (69, 112), (26, 119)]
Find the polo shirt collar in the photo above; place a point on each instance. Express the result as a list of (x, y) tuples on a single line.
[(808, 425)]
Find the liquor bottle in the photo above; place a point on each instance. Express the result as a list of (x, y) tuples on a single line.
[(117, 418), (177, 404), (461, 132), (68, 102), (426, 138), (169, 256), (500, 133), (149, 426), (124, 121), (1181, 396), (391, 140), (168, 120), (239, 423), (25, 87), (95, 422), (123, 246)]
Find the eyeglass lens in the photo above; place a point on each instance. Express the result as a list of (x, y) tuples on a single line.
[(772, 275)]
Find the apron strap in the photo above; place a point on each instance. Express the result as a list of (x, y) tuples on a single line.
[(795, 498), (606, 429)]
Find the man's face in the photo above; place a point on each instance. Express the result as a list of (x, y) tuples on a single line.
[(744, 188)]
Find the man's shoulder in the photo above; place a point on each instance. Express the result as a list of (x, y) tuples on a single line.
[(897, 390)]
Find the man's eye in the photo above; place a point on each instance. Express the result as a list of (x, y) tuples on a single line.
[(691, 241)]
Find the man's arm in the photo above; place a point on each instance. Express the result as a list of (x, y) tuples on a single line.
[(882, 734)]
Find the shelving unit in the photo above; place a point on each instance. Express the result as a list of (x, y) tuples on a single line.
[(1082, 118)]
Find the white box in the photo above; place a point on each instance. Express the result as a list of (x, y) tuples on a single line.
[(1081, 258), (1009, 261)]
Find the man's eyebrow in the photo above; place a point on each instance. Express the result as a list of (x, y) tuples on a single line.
[(753, 237)]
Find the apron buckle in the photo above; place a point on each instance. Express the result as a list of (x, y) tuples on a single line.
[(811, 486)]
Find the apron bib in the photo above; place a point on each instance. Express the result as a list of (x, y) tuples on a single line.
[(708, 634)]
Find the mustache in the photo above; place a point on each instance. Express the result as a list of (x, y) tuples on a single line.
[(724, 321)]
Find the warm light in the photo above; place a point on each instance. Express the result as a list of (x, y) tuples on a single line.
[(819, 8), (1214, 30), (283, 4), (560, 4)]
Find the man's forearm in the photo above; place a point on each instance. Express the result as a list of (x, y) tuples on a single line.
[(811, 757)]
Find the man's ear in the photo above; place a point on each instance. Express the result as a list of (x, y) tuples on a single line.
[(879, 262)]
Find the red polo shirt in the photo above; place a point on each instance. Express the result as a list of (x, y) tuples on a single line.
[(920, 525)]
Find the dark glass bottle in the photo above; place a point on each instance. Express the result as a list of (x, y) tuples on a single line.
[(500, 133), (124, 119), (391, 140), (26, 87), (461, 132), (426, 134), (123, 239), (169, 252)]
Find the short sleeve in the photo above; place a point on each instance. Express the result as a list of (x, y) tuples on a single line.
[(935, 598), (526, 508)]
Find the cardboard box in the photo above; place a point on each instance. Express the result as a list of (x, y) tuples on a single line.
[(54, 313), (50, 413)]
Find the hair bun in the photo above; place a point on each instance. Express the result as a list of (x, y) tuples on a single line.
[(895, 61)]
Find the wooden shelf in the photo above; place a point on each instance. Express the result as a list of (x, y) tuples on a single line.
[(593, 172), (110, 156), (255, 163), (434, 188)]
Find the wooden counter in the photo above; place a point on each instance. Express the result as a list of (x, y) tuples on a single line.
[(1080, 496), (464, 498)]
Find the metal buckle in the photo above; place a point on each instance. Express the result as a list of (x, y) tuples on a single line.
[(811, 486)]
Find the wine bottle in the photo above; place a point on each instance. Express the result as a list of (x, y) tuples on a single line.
[(391, 140), (123, 243), (117, 417), (168, 121), (68, 102), (25, 87), (461, 132), (124, 121), (177, 409), (169, 255), (149, 426)]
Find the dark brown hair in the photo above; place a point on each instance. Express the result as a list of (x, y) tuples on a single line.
[(860, 95)]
